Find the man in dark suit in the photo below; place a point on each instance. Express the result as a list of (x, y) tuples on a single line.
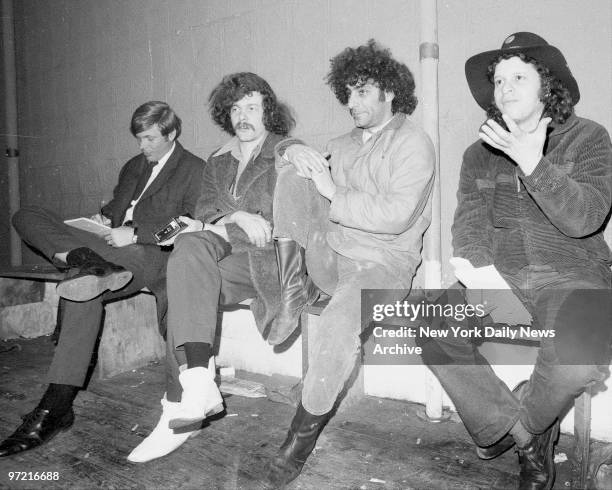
[(162, 182)]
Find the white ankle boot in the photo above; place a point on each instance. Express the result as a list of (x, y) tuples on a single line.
[(162, 440), (200, 399)]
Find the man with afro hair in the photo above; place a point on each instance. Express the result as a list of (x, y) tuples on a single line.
[(357, 214)]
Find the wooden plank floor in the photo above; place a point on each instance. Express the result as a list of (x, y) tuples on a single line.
[(372, 444)]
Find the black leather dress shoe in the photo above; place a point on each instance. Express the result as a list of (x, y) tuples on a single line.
[(90, 275), (38, 427), (537, 461), (506, 442)]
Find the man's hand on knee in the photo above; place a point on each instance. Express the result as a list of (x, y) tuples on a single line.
[(306, 160), (257, 228), (324, 183)]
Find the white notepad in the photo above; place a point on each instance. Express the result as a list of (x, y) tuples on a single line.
[(89, 225), (507, 308)]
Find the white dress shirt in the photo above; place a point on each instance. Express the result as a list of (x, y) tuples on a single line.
[(154, 173)]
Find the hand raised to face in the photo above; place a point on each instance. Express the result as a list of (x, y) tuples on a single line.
[(525, 148)]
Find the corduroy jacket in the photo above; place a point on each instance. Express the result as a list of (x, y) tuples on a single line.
[(555, 216)]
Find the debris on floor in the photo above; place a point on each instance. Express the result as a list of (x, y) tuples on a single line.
[(242, 387)]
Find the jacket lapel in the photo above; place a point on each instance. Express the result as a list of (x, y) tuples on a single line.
[(123, 201), (165, 173), (259, 165)]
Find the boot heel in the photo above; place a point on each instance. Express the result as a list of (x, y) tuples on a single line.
[(215, 410), (179, 423), (182, 422)]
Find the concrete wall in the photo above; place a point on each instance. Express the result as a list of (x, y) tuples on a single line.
[(85, 65), (4, 201)]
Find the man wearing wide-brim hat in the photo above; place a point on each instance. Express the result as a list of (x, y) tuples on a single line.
[(534, 195)]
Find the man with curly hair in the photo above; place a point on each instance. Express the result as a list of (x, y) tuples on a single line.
[(225, 255), (359, 210), (533, 199)]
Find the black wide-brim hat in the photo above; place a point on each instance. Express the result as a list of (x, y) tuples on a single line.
[(529, 44)]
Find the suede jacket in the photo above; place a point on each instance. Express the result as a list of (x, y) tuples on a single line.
[(555, 216), (254, 194)]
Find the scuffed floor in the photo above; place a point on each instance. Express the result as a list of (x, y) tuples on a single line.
[(372, 444)]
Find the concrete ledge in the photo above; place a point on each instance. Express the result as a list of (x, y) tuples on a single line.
[(242, 346), (17, 292), (36, 314), (130, 338), (32, 319)]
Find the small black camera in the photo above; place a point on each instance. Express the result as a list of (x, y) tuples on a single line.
[(173, 227)]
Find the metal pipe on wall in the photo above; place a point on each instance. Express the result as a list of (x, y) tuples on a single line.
[(10, 104), (432, 247)]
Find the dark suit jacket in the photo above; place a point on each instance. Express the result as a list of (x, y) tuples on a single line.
[(175, 191), (255, 191)]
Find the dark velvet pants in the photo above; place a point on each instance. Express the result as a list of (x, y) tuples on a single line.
[(81, 321)]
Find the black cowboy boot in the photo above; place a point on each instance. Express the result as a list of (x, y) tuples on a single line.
[(90, 275), (537, 460), (297, 290), (38, 427), (300, 441)]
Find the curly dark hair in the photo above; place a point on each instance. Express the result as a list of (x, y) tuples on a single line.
[(277, 116), (372, 63), (558, 104)]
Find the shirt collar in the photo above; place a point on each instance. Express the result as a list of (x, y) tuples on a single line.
[(394, 123), (162, 161), (233, 146), (369, 132)]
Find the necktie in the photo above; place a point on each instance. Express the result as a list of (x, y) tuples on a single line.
[(143, 179)]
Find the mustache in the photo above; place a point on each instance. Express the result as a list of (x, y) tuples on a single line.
[(244, 125)]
